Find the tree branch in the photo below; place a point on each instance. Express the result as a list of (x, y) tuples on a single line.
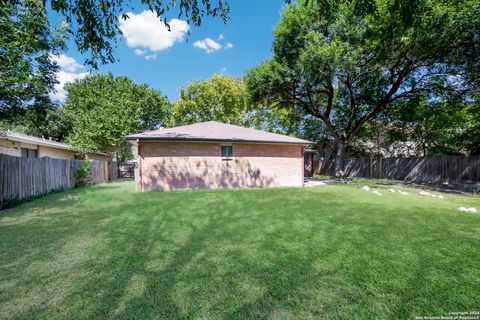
[(353, 105), (385, 101), (312, 110), (329, 107)]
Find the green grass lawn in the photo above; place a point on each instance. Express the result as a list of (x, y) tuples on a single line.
[(333, 252)]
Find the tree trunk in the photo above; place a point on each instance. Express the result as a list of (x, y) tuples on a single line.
[(340, 159)]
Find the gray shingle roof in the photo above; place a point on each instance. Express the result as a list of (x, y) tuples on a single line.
[(216, 131)]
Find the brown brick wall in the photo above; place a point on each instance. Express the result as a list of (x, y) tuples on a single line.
[(189, 165)]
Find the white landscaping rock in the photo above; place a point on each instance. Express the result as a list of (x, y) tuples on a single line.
[(433, 195), (403, 193), (391, 190), (366, 188), (424, 193), (314, 183), (471, 210), (440, 196), (376, 192)]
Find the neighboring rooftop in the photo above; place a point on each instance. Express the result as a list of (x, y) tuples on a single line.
[(20, 137), (216, 131)]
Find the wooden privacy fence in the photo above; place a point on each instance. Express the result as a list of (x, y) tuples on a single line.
[(429, 169), (23, 178)]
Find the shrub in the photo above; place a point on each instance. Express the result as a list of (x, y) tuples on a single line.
[(82, 176)]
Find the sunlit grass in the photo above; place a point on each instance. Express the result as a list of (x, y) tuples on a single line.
[(327, 252)]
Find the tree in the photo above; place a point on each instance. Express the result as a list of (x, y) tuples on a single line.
[(27, 72), (102, 109), (450, 127), (225, 99), (27, 43), (94, 24), (347, 62), (220, 98)]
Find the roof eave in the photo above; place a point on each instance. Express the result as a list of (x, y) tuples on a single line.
[(46, 143), (40, 143), (137, 138)]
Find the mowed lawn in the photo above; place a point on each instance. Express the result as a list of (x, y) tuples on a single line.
[(332, 252)]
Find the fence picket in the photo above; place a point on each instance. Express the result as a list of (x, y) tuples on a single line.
[(429, 169), (22, 178)]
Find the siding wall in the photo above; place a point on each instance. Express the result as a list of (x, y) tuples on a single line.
[(100, 157), (189, 165), (55, 153), (10, 148), (13, 148)]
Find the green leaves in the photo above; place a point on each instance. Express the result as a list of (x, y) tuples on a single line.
[(226, 99), (27, 73), (346, 62), (220, 98), (102, 109), (94, 24)]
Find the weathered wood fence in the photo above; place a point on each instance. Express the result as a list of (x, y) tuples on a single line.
[(23, 178), (429, 169)]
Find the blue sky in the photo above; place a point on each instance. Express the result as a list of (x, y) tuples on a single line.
[(168, 61)]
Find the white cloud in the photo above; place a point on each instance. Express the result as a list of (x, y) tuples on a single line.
[(151, 56), (68, 73), (208, 45), (223, 70), (64, 77), (146, 31), (66, 63), (140, 52)]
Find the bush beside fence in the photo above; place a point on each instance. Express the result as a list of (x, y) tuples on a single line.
[(24, 178), (429, 169)]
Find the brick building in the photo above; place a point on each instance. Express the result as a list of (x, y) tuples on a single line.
[(217, 155)]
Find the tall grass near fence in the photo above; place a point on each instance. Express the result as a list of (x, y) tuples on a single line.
[(25, 178), (429, 169)]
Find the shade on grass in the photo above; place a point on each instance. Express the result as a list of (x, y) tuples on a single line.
[(328, 252)]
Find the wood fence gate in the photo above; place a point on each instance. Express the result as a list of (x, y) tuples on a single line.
[(126, 169)]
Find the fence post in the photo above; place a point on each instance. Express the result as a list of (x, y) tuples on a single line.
[(371, 167), (68, 174), (380, 167)]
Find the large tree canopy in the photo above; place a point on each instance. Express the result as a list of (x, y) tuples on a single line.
[(27, 72), (102, 109), (225, 99), (219, 98), (28, 41), (451, 127), (345, 62)]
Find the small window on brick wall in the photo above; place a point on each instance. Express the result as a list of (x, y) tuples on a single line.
[(227, 151)]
